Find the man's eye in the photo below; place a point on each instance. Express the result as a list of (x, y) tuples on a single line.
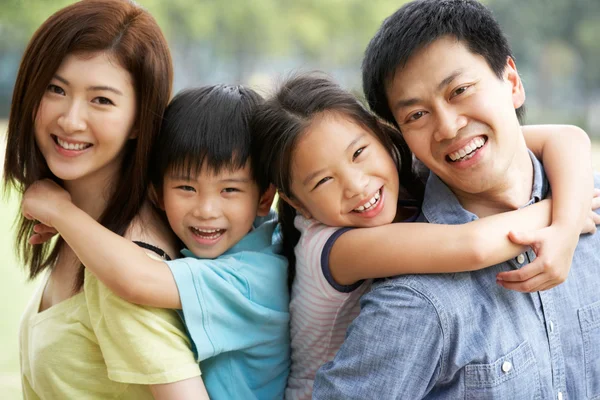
[(322, 181), (358, 153), (186, 188), (55, 89), (460, 91), (103, 101)]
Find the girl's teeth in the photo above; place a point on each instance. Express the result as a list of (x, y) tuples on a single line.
[(369, 203)]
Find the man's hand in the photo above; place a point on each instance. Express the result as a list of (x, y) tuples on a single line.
[(554, 247)]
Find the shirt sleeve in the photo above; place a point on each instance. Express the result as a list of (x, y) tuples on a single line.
[(218, 306), (393, 349), (140, 345)]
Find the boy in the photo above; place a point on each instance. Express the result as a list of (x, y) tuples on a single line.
[(232, 284)]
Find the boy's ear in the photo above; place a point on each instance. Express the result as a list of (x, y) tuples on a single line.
[(297, 206), (266, 201), (155, 198)]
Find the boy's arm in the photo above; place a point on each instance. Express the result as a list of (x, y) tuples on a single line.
[(566, 154), (121, 265)]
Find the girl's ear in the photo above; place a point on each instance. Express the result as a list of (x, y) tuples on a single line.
[(297, 205), (155, 197), (265, 202)]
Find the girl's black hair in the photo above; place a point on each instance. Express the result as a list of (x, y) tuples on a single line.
[(282, 120)]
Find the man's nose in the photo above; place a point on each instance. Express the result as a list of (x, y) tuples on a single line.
[(448, 123)]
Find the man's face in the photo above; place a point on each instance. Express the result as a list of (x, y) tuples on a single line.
[(457, 116)]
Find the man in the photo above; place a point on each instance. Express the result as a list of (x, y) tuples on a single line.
[(443, 72)]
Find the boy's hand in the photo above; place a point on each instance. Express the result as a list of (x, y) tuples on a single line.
[(42, 200), (554, 247)]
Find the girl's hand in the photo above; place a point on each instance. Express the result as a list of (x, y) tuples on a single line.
[(42, 201), (554, 247)]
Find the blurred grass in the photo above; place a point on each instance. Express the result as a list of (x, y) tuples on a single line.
[(15, 290), (14, 294)]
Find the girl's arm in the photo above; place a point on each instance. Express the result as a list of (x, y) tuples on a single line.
[(192, 389), (120, 264), (427, 248)]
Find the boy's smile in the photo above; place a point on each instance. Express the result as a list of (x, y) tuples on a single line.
[(213, 211)]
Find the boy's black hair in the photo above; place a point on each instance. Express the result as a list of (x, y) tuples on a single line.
[(420, 23), (205, 127)]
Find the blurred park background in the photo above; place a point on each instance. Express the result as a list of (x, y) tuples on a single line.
[(556, 44)]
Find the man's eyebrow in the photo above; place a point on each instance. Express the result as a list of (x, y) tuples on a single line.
[(350, 145), (91, 88), (412, 101)]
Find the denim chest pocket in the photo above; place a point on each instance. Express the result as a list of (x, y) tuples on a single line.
[(514, 376), (589, 321)]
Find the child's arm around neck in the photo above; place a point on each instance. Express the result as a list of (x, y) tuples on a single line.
[(124, 267)]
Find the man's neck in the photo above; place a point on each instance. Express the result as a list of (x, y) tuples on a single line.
[(512, 192)]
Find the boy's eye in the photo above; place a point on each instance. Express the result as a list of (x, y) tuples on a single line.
[(358, 153), (186, 188), (322, 181), (103, 101), (55, 89), (231, 190)]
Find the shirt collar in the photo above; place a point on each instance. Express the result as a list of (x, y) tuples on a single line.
[(440, 205)]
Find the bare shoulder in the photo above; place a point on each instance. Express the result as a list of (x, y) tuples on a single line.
[(151, 228)]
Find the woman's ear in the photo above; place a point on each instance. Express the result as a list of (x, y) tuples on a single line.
[(296, 204)]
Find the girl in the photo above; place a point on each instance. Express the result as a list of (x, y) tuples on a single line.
[(336, 166), (90, 92)]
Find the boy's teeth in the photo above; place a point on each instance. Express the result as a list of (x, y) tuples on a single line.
[(72, 146), (467, 150), (208, 233), (369, 203)]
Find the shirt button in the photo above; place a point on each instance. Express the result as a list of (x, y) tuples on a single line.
[(520, 258), (506, 366), (560, 396), (551, 326)]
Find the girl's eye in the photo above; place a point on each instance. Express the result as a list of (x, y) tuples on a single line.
[(416, 116), (103, 101), (186, 188), (358, 153), (55, 89), (231, 190), (322, 181)]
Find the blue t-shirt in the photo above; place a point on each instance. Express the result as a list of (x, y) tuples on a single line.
[(236, 311)]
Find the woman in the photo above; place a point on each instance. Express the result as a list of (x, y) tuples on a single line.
[(90, 93)]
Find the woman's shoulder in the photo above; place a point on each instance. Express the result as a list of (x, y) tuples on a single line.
[(152, 228)]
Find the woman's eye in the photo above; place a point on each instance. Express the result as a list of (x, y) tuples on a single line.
[(55, 89), (357, 153), (104, 101), (322, 181), (186, 188), (416, 116)]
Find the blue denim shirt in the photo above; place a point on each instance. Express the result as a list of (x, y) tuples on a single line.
[(462, 336)]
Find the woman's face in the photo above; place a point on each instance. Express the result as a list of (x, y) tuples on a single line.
[(342, 175), (85, 117)]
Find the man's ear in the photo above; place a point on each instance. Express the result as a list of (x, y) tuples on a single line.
[(296, 205), (155, 197), (512, 76)]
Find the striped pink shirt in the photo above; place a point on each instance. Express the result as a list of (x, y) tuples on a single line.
[(321, 310)]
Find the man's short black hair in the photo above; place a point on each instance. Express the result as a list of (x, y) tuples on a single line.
[(420, 23), (206, 127)]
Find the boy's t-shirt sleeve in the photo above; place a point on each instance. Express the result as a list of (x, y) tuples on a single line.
[(218, 306), (140, 345)]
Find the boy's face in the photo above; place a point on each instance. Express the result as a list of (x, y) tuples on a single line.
[(457, 116), (211, 212)]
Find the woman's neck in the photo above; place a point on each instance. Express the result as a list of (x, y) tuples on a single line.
[(90, 196)]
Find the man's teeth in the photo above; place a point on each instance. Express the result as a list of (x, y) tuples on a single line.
[(208, 233), (467, 150), (72, 146), (369, 204)]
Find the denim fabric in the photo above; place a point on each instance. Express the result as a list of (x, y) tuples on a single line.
[(461, 336)]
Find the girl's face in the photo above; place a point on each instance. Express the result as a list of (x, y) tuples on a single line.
[(85, 117), (342, 175)]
